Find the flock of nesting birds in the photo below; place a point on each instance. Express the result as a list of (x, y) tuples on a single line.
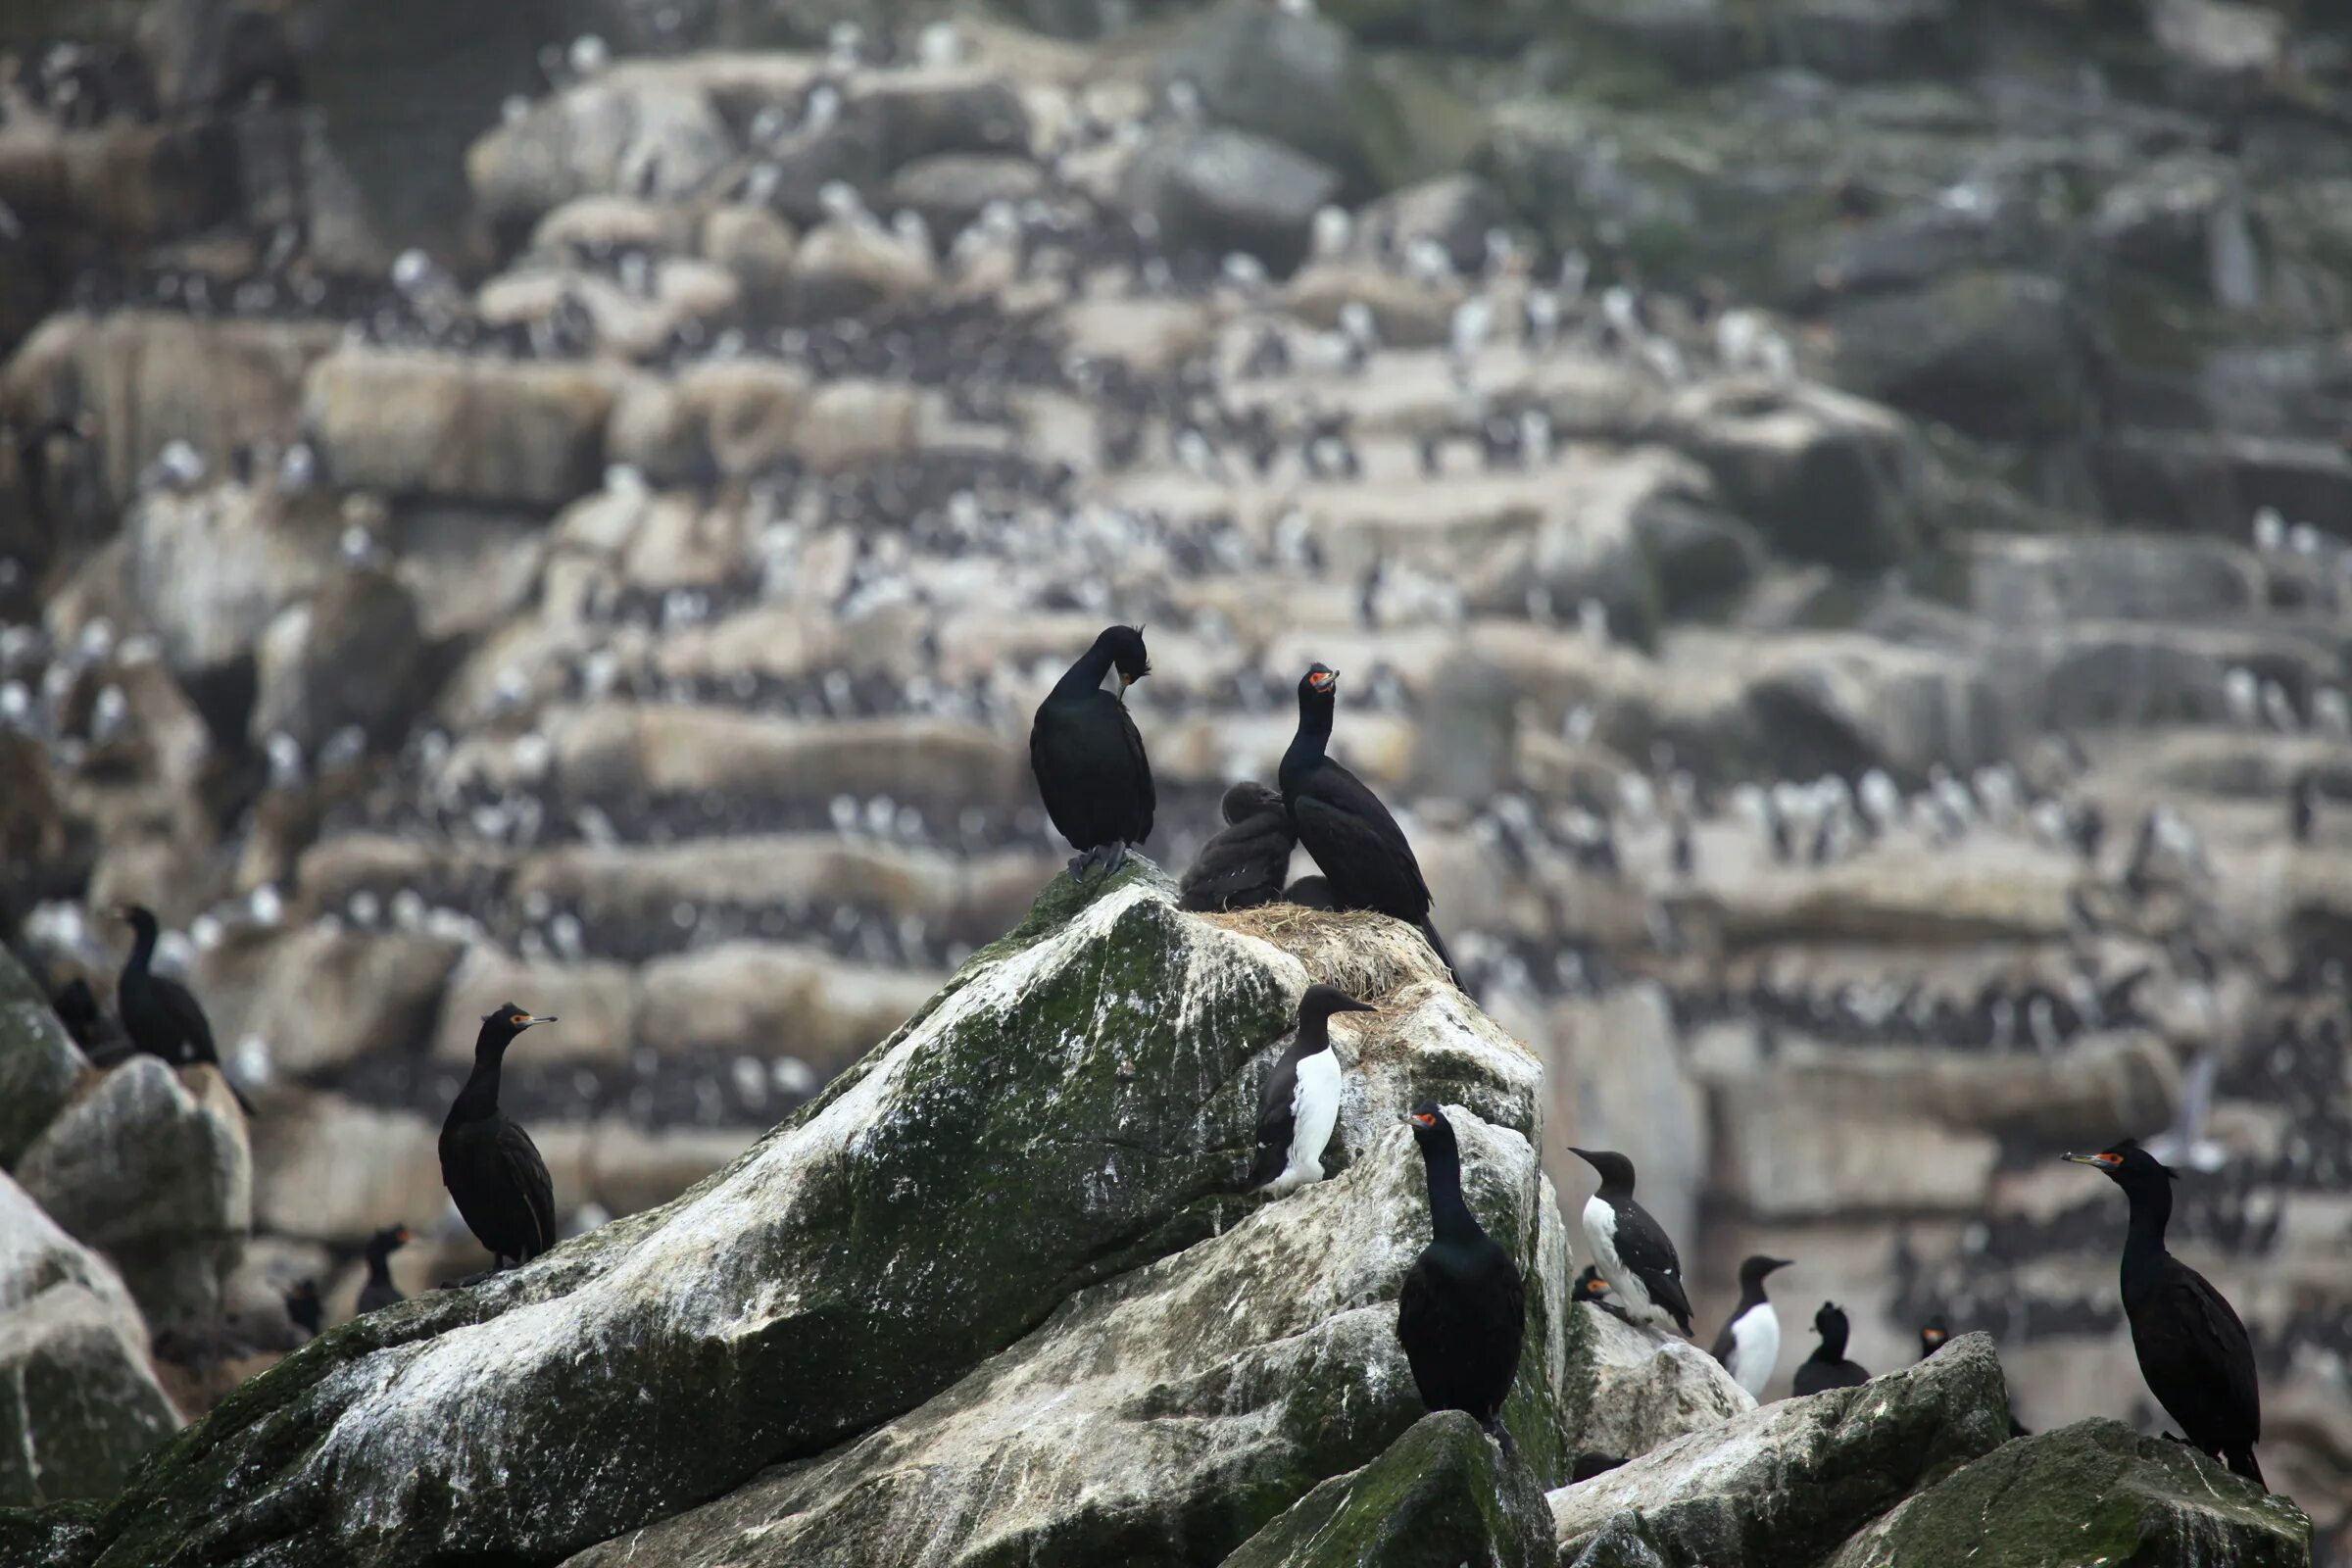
[(1461, 1314)]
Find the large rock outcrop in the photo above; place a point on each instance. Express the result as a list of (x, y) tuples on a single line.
[(994, 1292)]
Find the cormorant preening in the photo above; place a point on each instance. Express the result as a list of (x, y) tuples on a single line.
[(1464, 1307), (303, 1308), (379, 1291), (161, 1015), (1826, 1367), (1749, 1345), (1301, 1104), (1089, 760), (1357, 843), (1243, 867), (490, 1166), (1633, 1251), (2193, 1352)]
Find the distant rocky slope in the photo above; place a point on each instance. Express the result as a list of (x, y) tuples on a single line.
[(484, 515), (993, 1298)]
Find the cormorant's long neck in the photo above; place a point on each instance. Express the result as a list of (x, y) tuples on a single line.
[(2143, 1241), (1086, 675), (1449, 1215), (379, 1266), (1314, 735), (478, 1100), (1833, 1342), (142, 949)]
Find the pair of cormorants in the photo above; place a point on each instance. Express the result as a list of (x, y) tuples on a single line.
[(1096, 781)]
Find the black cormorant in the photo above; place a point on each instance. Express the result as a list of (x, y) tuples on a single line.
[(1749, 1345), (1243, 866), (1300, 1105), (1826, 1367), (161, 1015), (1089, 758), (379, 1291), (302, 1307), (1309, 893), (489, 1165), (1357, 843), (1635, 1254), (2193, 1352), (1464, 1307)]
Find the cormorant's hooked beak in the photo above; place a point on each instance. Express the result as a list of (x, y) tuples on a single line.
[(1323, 680), (2094, 1161), (531, 1018), (1420, 1120)]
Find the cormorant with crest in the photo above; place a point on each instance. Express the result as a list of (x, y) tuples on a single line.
[(1087, 756)]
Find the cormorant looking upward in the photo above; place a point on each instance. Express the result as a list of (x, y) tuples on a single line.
[(1464, 1307), (1749, 1345), (161, 1015), (489, 1165), (1826, 1367), (1300, 1105), (1243, 866), (1087, 757), (2193, 1352), (1635, 1254), (379, 1291), (1357, 843)]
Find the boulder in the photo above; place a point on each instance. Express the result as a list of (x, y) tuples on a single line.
[(1824, 476), (1223, 190), (77, 1399), (354, 654), (913, 115), (761, 251), (1788, 1483), (755, 996), (948, 189), (1846, 703), (641, 130), (598, 227), (1440, 1496), (850, 266), (2001, 355), (1010, 1239), (2094, 1492), (595, 1004), (2220, 46), (1456, 211), (411, 423), (329, 1171), (331, 996), (1648, 1388), (151, 1167), (1699, 40), (1293, 78), (40, 1067), (210, 569), (2015, 579), (2213, 481), (850, 424), (1862, 40)]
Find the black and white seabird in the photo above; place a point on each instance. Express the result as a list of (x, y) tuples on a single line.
[(1749, 1345), (1826, 1367), (2193, 1352), (489, 1165), (1463, 1311), (1357, 843), (1632, 1250), (161, 1015), (379, 1291), (1301, 1104), (1243, 866), (1087, 756)]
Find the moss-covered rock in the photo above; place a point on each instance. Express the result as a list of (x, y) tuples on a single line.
[(1057, 1140), (1441, 1494), (39, 1063), (2094, 1492)]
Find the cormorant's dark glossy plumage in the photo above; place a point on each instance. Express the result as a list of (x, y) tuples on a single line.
[(490, 1166), (303, 1308), (1464, 1307), (77, 1008), (161, 1015), (1293, 1099), (1357, 843), (1309, 893), (379, 1291), (1826, 1367), (2193, 1352), (1932, 1337), (1087, 756), (1635, 1254), (1590, 1286), (1243, 866)]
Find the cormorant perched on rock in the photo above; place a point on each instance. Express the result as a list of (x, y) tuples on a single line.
[(1309, 893), (1243, 866), (1089, 758), (159, 1015), (1749, 1345), (1826, 1367), (379, 1291), (1464, 1307), (1590, 1286), (489, 1165), (1301, 1104), (2193, 1352), (303, 1308), (1633, 1251), (1357, 843), (1932, 1337)]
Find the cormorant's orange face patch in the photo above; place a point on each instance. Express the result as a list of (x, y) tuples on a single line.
[(1322, 680), (519, 1019), (1425, 1119)]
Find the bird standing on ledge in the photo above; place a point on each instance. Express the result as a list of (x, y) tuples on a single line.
[(1464, 1307), (1749, 1345), (1089, 758), (161, 1015), (489, 1165), (1826, 1367), (1635, 1254), (1300, 1105), (2193, 1352), (379, 1291)]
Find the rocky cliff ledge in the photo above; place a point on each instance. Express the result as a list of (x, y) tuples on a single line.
[(994, 1298)]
